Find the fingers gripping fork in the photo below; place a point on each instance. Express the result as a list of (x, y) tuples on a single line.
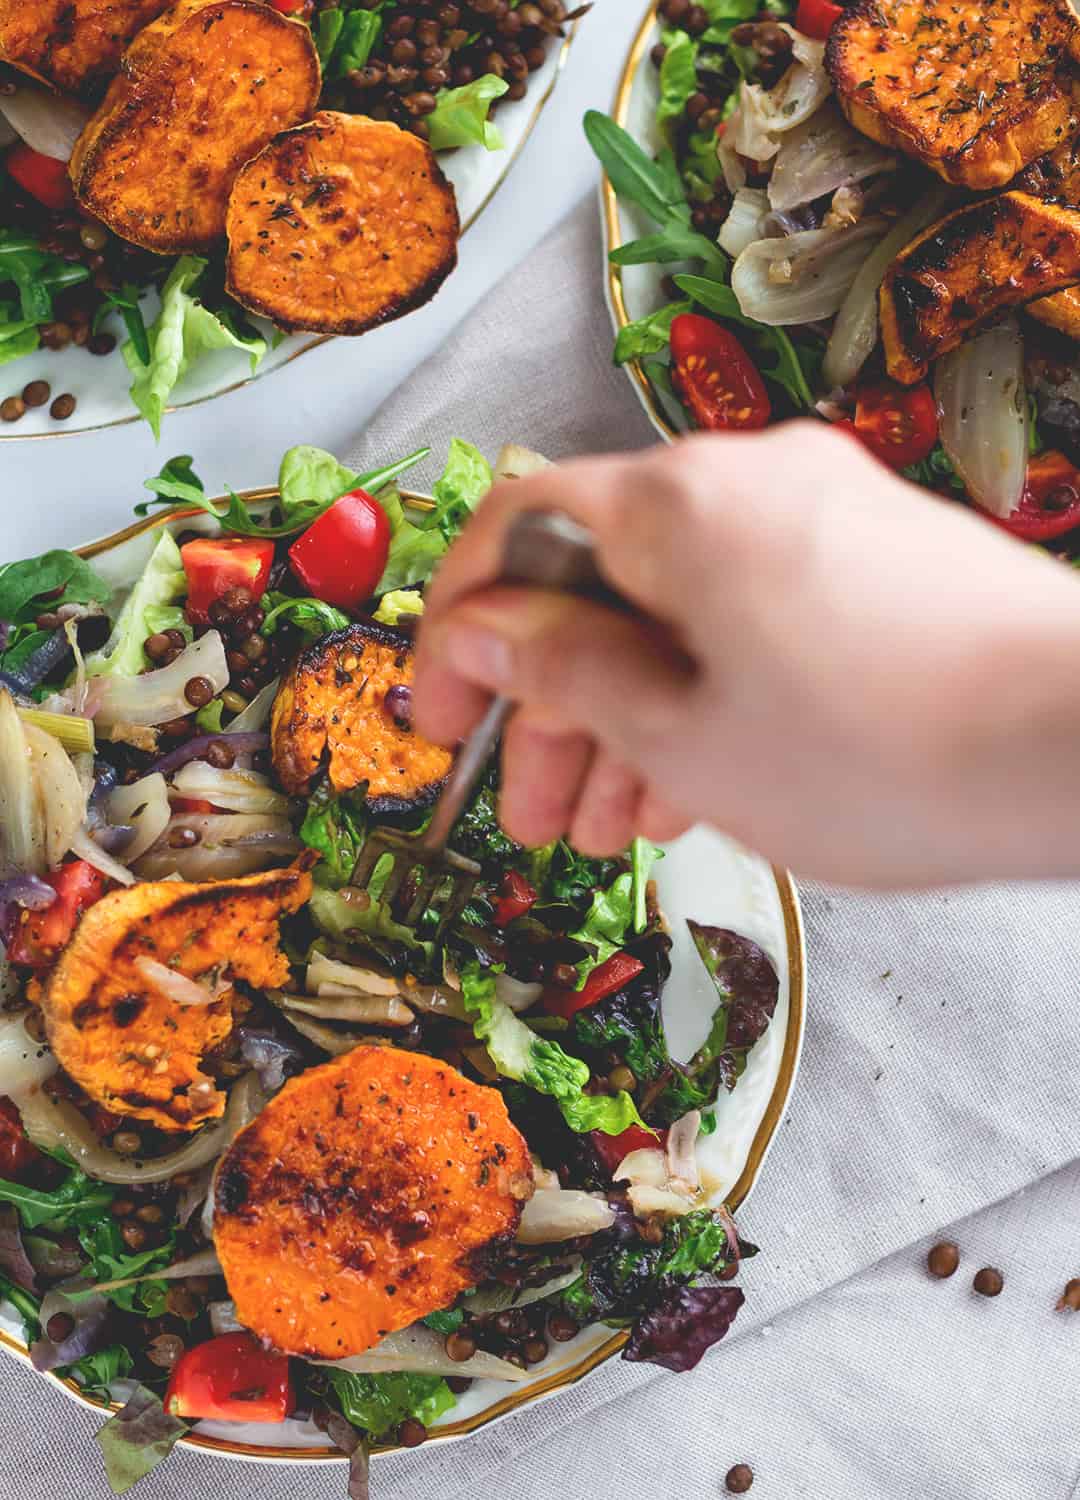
[(546, 549)]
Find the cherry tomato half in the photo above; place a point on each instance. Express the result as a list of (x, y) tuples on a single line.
[(40, 935), (611, 1149), (899, 424), (604, 980), (341, 556), (715, 378), (817, 18), (515, 897), (1050, 504), (45, 178), (216, 564), (293, 7), (17, 1154), (231, 1379)]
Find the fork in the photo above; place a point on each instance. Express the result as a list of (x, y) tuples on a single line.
[(543, 548)]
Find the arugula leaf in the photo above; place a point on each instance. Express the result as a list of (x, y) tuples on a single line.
[(632, 173), (678, 77), (17, 338), (648, 335), (777, 357), (314, 617), (160, 584), (643, 856), (25, 1304), (336, 826), (521, 1055), (446, 1320), (111, 1261), (62, 576), (378, 1403), (463, 483), (36, 274), (935, 471), (183, 330), (97, 1372), (126, 303), (460, 116), (140, 1436), (78, 1199), (725, 15), (676, 241)]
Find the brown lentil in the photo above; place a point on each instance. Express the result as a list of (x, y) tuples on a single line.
[(59, 1326), (180, 1302), (942, 1260), (127, 1142), (988, 1282), (460, 1346), (183, 838), (534, 1350), (220, 755), (1070, 1297), (12, 408), (133, 1235), (150, 1213), (37, 392), (175, 729), (411, 1433), (198, 691), (165, 1350), (739, 1479), (121, 1207), (157, 646), (562, 1328), (34, 1025), (63, 407), (101, 343)]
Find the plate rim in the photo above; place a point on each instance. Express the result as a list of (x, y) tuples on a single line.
[(324, 338), (515, 1399), (612, 228)]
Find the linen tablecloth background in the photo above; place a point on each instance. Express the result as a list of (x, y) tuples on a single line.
[(938, 1081)]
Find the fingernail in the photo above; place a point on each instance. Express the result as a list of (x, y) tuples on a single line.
[(478, 655)]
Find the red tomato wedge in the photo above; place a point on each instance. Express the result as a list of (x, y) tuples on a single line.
[(899, 424), (515, 897), (293, 7), (341, 556), (17, 1154), (715, 378), (231, 1379), (611, 1149), (40, 935), (817, 18), (1050, 504), (43, 177), (604, 980), (216, 564)]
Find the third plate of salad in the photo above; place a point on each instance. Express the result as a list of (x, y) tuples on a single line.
[(295, 1164), (867, 214)]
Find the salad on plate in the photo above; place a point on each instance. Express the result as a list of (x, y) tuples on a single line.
[(268, 1153), (868, 213)]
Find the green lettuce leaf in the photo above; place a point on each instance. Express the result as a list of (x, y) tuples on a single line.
[(356, 38), (398, 603), (183, 331), (160, 584), (463, 483), (460, 116), (648, 335), (62, 575), (340, 919), (540, 1064), (336, 826), (209, 716), (313, 617), (310, 476), (678, 77), (607, 923), (18, 336), (643, 856), (378, 1403), (414, 552)]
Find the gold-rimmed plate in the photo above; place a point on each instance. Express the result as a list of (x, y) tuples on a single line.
[(635, 291), (101, 384), (703, 875)]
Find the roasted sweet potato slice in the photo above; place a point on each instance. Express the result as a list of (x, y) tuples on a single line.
[(340, 225), (200, 91), (117, 1034), (975, 89), (961, 272), (372, 1190), (1061, 311), (72, 45), (331, 709)]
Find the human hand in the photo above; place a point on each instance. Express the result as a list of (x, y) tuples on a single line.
[(850, 675)]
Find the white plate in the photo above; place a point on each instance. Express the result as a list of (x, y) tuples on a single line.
[(635, 291), (101, 383), (704, 876)]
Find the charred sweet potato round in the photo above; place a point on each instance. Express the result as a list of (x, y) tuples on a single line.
[(340, 225), (133, 1049), (371, 1191), (200, 91), (71, 45), (331, 709)]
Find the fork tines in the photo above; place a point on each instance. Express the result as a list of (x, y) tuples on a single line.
[(409, 854)]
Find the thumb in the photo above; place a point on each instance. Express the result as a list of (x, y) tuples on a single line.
[(578, 665)]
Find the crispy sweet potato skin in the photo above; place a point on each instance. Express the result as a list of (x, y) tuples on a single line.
[(994, 254), (71, 45), (200, 91), (975, 89), (372, 1190), (330, 708), (340, 225), (130, 1048)]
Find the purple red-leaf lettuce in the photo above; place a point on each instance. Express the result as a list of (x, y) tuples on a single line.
[(683, 1325), (140, 1436)]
